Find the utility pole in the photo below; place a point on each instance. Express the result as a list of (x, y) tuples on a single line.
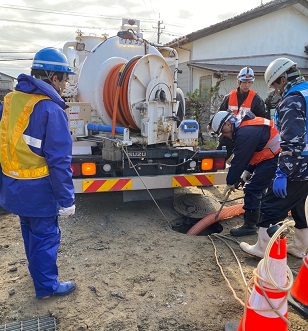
[(159, 30)]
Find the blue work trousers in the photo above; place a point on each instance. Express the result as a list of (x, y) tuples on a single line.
[(258, 183), (275, 209), (41, 237)]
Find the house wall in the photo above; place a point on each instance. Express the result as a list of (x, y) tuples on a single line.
[(6, 82), (230, 83), (185, 77), (257, 41), (6, 85), (254, 43)]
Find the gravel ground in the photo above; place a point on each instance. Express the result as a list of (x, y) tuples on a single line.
[(133, 270)]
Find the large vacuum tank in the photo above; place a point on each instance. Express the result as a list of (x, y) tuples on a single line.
[(147, 74)]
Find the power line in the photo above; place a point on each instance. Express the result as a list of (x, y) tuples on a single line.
[(23, 52), (52, 24), (7, 56), (58, 12), (16, 59), (146, 8), (69, 13), (158, 29)]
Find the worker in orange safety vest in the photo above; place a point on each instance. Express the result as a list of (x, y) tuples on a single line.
[(243, 98), (256, 149)]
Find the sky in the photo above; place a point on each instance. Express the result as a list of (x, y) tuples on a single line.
[(29, 25)]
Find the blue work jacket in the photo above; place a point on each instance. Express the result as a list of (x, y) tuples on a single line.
[(48, 124)]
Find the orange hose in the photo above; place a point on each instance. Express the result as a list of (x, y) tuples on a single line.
[(208, 220), (115, 95), (115, 111), (124, 95), (110, 92)]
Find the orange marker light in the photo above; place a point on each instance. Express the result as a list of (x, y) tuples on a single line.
[(88, 169), (207, 164)]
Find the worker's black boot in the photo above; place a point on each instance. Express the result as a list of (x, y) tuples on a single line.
[(251, 218)]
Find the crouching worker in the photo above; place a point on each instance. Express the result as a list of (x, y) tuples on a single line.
[(290, 186), (36, 178), (256, 148)]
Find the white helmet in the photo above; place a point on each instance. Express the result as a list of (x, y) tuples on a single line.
[(246, 75), (219, 119), (276, 69)]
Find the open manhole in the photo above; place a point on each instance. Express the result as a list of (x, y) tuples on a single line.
[(45, 323), (187, 223), (193, 207)]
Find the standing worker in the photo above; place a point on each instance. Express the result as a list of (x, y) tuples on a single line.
[(256, 148), (36, 178), (242, 98), (290, 186)]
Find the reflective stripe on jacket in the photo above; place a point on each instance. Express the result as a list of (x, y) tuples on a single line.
[(17, 159), (246, 105), (272, 146)]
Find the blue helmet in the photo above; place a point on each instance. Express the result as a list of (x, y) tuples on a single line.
[(51, 59)]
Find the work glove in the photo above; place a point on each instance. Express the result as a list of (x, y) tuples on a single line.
[(280, 184), (245, 176), (228, 189), (67, 211)]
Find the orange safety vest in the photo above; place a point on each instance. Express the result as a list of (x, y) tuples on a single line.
[(272, 146), (17, 159), (246, 105)]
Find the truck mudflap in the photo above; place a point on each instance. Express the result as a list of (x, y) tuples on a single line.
[(149, 182)]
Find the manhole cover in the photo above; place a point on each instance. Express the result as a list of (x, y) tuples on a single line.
[(45, 323), (195, 205)]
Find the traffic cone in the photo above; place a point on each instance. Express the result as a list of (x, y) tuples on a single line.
[(267, 307), (298, 296)]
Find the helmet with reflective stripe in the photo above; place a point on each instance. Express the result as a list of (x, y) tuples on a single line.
[(276, 69), (51, 59), (219, 119), (246, 75)]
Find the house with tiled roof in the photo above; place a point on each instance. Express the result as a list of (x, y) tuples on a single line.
[(254, 38)]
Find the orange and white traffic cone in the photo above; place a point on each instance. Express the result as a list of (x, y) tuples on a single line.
[(298, 296), (267, 307)]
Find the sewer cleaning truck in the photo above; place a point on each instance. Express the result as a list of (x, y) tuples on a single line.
[(127, 119)]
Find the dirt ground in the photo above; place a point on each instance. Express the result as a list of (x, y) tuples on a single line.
[(134, 272)]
